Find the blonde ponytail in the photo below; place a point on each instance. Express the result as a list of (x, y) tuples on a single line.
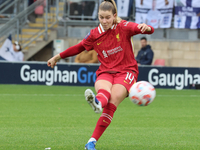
[(104, 6)]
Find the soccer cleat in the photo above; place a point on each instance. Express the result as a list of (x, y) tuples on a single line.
[(92, 101), (90, 145)]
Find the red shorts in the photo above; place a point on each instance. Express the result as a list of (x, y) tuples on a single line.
[(126, 78)]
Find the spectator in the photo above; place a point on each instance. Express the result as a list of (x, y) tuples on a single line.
[(145, 55), (11, 51), (87, 57), (31, 16)]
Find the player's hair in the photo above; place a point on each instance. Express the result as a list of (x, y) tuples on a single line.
[(144, 38), (110, 5)]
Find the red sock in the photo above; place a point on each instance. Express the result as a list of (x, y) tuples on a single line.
[(104, 120), (103, 96)]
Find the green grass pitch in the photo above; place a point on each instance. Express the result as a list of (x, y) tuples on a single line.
[(37, 117)]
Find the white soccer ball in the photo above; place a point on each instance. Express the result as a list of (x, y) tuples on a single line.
[(142, 93)]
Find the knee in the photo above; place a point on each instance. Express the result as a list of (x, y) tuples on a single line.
[(116, 99)]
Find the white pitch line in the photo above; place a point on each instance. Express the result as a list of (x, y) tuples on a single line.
[(178, 95), (83, 95), (41, 94)]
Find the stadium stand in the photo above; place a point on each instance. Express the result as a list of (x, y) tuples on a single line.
[(178, 47), (31, 34)]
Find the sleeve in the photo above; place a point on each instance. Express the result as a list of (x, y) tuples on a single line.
[(85, 44), (71, 51), (88, 41), (132, 28)]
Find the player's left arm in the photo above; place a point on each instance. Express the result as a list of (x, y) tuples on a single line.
[(133, 28), (145, 28)]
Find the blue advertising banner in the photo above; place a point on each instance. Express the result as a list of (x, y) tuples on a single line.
[(170, 77), (41, 74), (84, 75)]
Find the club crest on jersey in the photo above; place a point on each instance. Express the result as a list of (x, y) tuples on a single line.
[(118, 38), (87, 35)]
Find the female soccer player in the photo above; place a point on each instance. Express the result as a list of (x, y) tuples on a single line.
[(118, 70)]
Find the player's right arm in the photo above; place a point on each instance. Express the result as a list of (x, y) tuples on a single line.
[(74, 50), (52, 62), (87, 43)]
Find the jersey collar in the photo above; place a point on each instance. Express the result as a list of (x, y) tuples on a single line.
[(101, 30)]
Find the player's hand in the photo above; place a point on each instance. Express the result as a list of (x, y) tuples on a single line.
[(143, 27), (53, 61)]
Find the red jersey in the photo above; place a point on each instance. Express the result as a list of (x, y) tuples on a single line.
[(114, 46)]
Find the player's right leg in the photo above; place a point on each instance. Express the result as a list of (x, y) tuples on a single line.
[(103, 86)]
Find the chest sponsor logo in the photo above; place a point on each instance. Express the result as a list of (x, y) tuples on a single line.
[(104, 54), (112, 51)]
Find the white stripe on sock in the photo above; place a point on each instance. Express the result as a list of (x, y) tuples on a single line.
[(107, 116), (92, 139), (103, 96)]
